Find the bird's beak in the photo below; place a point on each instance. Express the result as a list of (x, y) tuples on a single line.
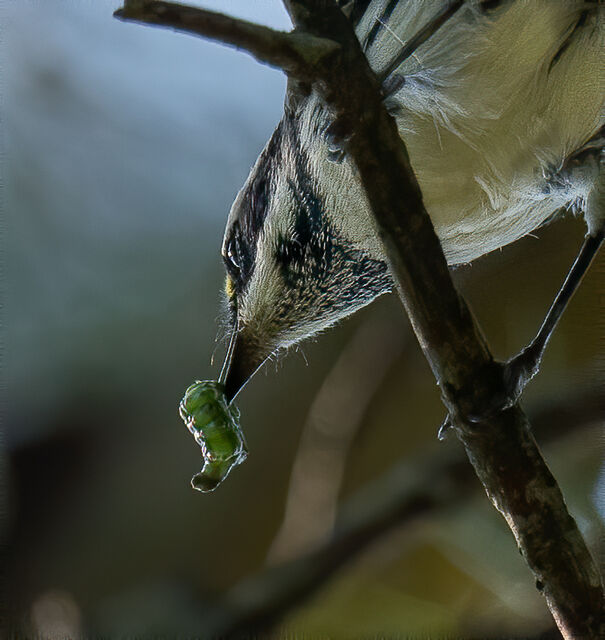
[(241, 363)]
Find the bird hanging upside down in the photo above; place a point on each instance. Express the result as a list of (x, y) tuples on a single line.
[(502, 112)]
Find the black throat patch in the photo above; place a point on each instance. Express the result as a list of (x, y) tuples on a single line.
[(320, 266)]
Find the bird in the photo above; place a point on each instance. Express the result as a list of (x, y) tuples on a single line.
[(501, 106)]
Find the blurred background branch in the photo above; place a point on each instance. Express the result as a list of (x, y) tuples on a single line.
[(436, 480), (335, 416)]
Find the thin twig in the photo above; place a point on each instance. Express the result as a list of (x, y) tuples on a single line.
[(498, 440), (291, 51)]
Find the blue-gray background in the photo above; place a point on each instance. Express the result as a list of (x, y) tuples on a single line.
[(123, 148)]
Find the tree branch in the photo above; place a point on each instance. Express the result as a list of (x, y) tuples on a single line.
[(498, 440)]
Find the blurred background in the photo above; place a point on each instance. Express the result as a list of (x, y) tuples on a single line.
[(123, 148)]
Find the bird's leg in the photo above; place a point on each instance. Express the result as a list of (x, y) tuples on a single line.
[(519, 370), (523, 367), (590, 157)]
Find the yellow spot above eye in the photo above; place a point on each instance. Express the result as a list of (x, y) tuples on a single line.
[(229, 287)]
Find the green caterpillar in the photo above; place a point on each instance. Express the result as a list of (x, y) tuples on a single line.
[(215, 427)]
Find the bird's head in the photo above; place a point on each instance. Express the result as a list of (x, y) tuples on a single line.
[(300, 249)]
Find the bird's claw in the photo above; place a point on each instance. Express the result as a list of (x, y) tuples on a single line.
[(517, 372)]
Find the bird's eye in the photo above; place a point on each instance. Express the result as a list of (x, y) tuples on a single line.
[(231, 257)]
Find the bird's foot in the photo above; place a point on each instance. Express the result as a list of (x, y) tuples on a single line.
[(516, 373), (519, 370)]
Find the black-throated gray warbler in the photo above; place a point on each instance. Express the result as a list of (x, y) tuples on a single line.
[(502, 114)]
